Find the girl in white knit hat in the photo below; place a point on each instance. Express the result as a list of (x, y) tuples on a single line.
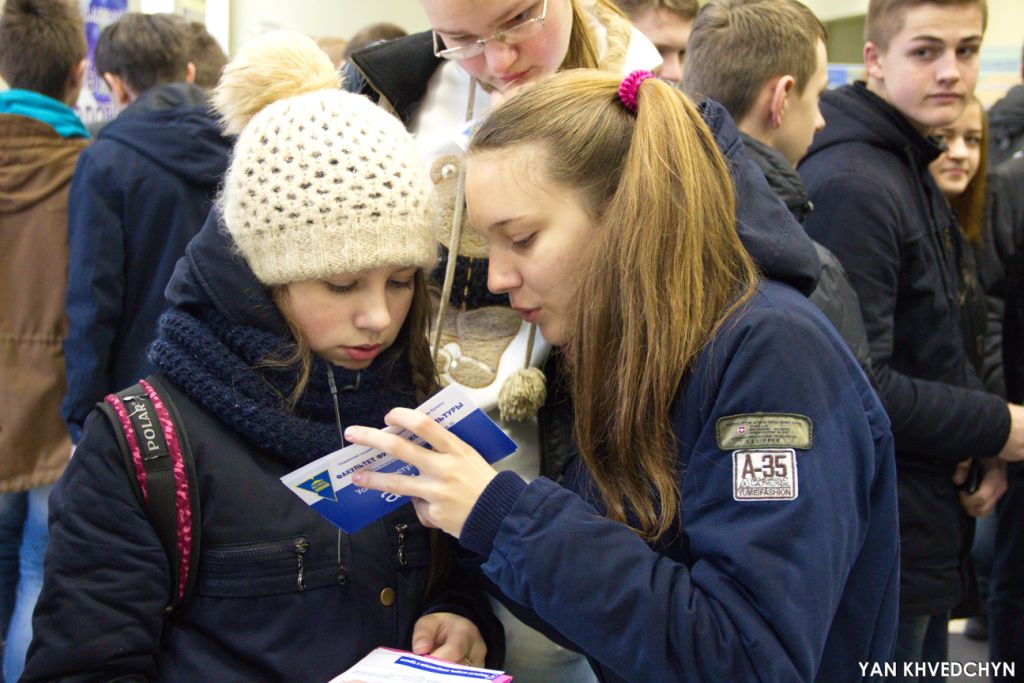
[(307, 314)]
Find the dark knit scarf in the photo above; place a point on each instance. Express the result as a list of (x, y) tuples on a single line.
[(217, 363)]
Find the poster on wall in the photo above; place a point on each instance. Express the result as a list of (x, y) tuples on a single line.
[(193, 10), (95, 103)]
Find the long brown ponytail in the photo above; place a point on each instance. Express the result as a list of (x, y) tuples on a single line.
[(664, 269)]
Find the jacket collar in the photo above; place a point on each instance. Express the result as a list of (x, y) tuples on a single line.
[(399, 71), (855, 113), (781, 175), (167, 96)]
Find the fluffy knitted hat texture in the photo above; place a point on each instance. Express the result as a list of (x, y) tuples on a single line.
[(321, 181)]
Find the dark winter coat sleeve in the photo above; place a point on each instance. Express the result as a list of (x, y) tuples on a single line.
[(857, 217), (96, 285), (837, 300), (738, 609), (1002, 243), (105, 586)]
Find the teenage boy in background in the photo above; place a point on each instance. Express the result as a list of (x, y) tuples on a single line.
[(667, 24), (879, 210), (207, 55), (765, 62), (139, 194), (42, 57)]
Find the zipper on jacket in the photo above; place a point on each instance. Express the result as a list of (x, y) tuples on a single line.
[(258, 550), (400, 529), (334, 397), (301, 546), (342, 572)]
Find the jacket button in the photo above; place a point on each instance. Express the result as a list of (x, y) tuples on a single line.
[(387, 597)]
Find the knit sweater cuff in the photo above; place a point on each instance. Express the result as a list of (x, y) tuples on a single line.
[(490, 511)]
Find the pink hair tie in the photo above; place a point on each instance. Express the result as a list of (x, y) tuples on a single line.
[(629, 87)]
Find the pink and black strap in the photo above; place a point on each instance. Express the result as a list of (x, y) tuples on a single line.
[(156, 453)]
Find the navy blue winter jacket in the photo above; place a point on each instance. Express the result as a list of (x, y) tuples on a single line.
[(139, 194), (800, 589), (280, 595), (878, 209)]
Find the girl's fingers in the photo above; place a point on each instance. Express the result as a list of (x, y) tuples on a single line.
[(392, 444), (399, 484), (423, 426)]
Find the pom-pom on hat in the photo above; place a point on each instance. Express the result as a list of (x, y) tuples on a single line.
[(321, 181)]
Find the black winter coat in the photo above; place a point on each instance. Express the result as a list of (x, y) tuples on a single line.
[(1006, 127), (878, 209), (1003, 274)]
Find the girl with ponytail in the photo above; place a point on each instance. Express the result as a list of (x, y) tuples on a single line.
[(439, 83), (307, 311), (731, 514)]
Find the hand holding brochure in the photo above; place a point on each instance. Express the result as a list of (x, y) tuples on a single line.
[(326, 484), (396, 666)]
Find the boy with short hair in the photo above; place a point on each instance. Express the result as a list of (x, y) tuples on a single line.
[(765, 61), (42, 57), (667, 24), (207, 55), (879, 210), (140, 193)]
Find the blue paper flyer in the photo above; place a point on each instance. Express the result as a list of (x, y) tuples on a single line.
[(326, 484), (385, 665)]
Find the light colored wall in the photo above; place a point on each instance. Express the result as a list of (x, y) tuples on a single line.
[(319, 17), (1000, 53), (1005, 17)]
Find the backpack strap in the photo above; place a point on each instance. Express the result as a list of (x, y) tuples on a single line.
[(156, 451)]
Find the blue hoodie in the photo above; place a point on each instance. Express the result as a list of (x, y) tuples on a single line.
[(139, 194)]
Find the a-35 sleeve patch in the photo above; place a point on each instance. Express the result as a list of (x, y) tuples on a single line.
[(768, 474), (764, 430)]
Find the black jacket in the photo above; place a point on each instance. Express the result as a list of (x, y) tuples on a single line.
[(833, 295), (139, 194), (1002, 271), (281, 594), (878, 209), (1006, 127)]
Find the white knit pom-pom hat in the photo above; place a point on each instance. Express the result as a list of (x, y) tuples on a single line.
[(321, 181)]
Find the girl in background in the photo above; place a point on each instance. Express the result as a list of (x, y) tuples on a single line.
[(960, 172)]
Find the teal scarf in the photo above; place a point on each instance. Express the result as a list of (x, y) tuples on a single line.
[(55, 114)]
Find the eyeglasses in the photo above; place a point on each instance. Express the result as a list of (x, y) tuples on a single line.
[(475, 46)]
